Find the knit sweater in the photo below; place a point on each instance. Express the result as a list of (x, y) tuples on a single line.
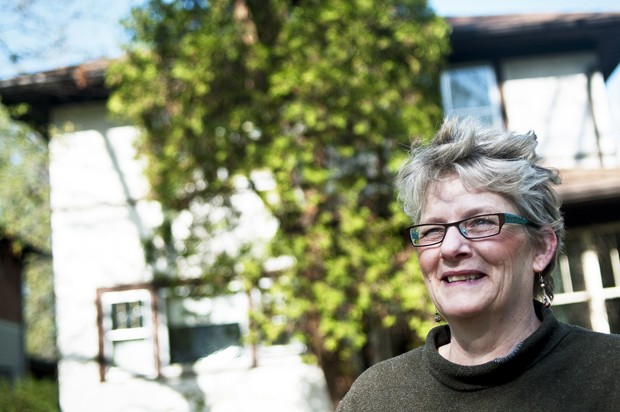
[(559, 367)]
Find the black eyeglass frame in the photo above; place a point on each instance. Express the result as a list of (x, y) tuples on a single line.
[(503, 218)]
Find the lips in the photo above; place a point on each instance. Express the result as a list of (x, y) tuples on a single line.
[(462, 277)]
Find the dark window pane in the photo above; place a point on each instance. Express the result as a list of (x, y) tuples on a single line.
[(127, 315), (606, 244), (188, 344), (574, 250), (613, 314), (557, 280), (574, 313)]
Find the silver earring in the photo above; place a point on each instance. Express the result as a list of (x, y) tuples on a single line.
[(437, 316), (546, 301)]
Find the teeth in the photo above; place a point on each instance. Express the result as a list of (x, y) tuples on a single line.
[(458, 278)]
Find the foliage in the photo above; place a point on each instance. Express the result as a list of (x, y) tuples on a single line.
[(39, 308), (308, 106), (25, 220), (24, 196), (28, 395)]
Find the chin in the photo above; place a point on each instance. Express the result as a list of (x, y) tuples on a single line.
[(464, 311)]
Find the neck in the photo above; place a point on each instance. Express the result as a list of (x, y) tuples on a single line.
[(482, 339)]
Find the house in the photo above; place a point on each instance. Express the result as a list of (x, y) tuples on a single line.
[(547, 73), (126, 342)]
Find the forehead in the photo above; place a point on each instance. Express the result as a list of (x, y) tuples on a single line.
[(450, 199)]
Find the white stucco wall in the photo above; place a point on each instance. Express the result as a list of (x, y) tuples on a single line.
[(96, 234), (549, 94), (99, 215)]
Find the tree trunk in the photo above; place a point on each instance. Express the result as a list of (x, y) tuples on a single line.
[(338, 373)]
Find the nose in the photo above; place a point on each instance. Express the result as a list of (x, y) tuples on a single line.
[(454, 244)]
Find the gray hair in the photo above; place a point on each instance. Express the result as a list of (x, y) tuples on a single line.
[(499, 161)]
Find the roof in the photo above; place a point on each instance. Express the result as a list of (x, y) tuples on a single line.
[(42, 91), (589, 184), (492, 37), (472, 38), (590, 196), (74, 83)]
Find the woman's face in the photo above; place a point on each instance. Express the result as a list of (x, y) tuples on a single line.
[(467, 278)]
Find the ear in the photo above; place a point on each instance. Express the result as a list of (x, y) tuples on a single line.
[(545, 251)]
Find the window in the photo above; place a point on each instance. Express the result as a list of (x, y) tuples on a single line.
[(142, 332), (200, 325), (127, 315), (472, 91), (588, 279), (127, 343)]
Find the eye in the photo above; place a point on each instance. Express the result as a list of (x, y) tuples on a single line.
[(431, 232), (481, 221), (481, 224)]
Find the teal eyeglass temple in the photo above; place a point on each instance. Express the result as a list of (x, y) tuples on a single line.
[(510, 218)]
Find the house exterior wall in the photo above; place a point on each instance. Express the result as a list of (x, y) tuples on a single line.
[(100, 214), (96, 235), (564, 101)]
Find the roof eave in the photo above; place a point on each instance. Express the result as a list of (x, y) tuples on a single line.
[(492, 37)]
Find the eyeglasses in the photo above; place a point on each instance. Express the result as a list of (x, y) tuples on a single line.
[(475, 227)]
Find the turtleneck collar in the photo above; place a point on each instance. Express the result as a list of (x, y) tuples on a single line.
[(497, 371)]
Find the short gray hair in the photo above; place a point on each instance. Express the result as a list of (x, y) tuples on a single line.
[(499, 161)]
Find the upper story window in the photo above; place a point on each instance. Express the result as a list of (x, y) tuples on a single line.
[(472, 91)]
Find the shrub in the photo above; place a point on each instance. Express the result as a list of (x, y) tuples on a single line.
[(28, 395)]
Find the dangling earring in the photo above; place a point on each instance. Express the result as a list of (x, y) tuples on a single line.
[(437, 316), (546, 301)]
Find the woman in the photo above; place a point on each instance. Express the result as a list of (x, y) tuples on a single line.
[(487, 234)]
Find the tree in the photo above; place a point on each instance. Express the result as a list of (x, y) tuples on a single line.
[(25, 224), (323, 97)]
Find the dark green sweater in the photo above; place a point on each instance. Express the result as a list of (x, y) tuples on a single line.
[(559, 367)]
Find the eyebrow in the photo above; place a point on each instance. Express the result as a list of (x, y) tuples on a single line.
[(470, 213)]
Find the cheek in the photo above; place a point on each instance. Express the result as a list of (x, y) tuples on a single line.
[(511, 254), (496, 256), (428, 260)]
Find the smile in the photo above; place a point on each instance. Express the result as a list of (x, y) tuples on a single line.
[(461, 278)]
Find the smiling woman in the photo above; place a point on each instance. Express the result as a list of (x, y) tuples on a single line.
[(487, 233)]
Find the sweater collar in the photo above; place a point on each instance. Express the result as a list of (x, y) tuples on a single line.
[(497, 371)]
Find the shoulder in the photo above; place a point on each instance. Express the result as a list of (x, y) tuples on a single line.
[(585, 359), (591, 346), (392, 369), (579, 334), (377, 384)]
